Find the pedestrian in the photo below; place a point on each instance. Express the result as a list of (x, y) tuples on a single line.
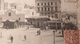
[(38, 32), (27, 28), (24, 37), (1, 35), (11, 39)]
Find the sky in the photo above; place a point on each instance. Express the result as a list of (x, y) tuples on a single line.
[(72, 6), (68, 6), (29, 2)]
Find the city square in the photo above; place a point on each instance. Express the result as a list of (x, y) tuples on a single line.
[(39, 21)]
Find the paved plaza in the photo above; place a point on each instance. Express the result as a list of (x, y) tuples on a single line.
[(46, 37)]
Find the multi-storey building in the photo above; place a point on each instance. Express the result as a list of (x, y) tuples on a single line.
[(50, 8)]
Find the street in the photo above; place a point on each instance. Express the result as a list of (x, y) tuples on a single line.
[(46, 37)]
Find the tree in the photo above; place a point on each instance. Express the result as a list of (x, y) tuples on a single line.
[(70, 26)]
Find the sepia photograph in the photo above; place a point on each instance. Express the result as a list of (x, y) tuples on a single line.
[(39, 21)]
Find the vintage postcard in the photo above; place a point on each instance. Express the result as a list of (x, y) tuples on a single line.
[(39, 21)]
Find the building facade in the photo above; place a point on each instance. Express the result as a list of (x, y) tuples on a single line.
[(50, 8), (12, 20), (38, 21)]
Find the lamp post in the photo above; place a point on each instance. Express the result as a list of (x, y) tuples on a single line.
[(54, 37)]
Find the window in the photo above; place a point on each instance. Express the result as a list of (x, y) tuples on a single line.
[(32, 13), (41, 4), (37, 4), (48, 15), (45, 9), (56, 9), (9, 14), (45, 4), (52, 16), (51, 8), (68, 17), (48, 9), (56, 15), (42, 8), (48, 4), (51, 3), (38, 9)]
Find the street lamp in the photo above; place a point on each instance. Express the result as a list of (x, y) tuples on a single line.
[(54, 37)]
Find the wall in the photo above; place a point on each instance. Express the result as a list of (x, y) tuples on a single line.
[(13, 16)]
